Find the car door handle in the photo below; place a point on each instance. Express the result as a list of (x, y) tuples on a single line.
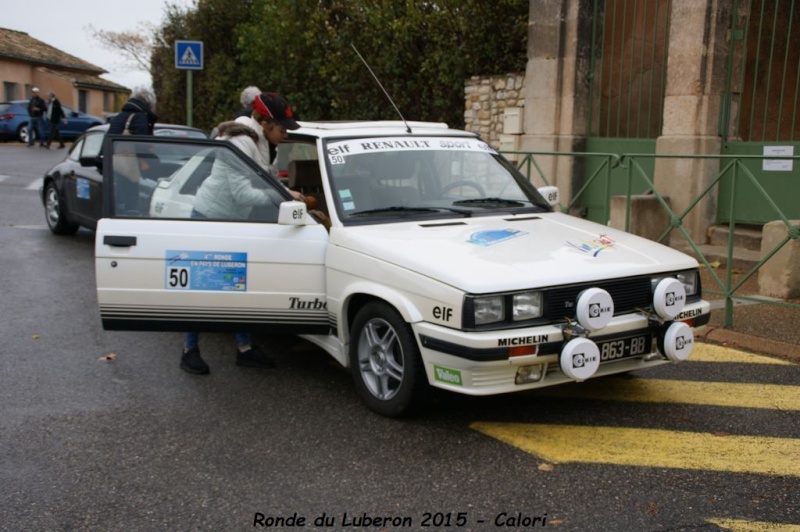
[(120, 241)]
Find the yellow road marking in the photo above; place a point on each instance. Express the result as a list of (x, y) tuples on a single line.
[(650, 447), (717, 353), (740, 525), (743, 395)]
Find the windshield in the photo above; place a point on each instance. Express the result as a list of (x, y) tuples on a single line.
[(386, 178)]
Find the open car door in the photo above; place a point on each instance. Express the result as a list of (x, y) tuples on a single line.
[(190, 240)]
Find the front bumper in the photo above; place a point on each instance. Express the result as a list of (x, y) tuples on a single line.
[(480, 363)]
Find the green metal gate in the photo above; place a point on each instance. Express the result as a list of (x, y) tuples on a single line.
[(761, 111), (627, 78)]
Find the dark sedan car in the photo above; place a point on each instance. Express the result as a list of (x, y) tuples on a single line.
[(14, 121), (72, 193)]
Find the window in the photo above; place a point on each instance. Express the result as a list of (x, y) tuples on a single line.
[(10, 90), (187, 181), (108, 102), (83, 101)]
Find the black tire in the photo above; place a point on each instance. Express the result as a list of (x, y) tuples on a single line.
[(54, 212), (385, 362)]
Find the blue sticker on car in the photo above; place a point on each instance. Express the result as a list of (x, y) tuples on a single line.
[(82, 188), (206, 270), (494, 236)]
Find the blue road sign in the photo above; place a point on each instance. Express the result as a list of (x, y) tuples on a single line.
[(189, 55)]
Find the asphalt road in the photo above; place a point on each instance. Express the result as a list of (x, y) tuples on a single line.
[(102, 431)]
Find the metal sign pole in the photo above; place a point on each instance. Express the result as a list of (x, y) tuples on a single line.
[(189, 98), (189, 56)]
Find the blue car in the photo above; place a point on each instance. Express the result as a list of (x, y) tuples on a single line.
[(14, 121)]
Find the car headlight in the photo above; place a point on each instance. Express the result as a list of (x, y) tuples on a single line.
[(489, 310), (527, 306), (689, 281)]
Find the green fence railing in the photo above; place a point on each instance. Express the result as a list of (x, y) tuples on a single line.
[(733, 171)]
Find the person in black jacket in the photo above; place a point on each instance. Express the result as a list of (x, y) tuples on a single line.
[(137, 117), (36, 110), (55, 115)]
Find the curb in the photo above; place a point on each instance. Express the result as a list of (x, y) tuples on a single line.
[(746, 342)]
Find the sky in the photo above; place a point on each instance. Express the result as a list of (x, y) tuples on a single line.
[(63, 24)]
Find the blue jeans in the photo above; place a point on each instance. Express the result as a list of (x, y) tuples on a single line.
[(36, 123), (192, 339)]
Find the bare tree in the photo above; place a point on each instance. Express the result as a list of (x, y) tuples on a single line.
[(136, 46)]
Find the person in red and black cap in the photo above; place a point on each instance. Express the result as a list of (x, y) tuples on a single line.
[(272, 116), (267, 125)]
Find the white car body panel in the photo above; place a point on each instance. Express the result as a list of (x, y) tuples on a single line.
[(424, 265)]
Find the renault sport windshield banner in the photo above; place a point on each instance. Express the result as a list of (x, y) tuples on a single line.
[(337, 151)]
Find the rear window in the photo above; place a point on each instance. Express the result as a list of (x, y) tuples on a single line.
[(4, 107)]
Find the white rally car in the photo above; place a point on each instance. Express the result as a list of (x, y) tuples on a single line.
[(440, 265)]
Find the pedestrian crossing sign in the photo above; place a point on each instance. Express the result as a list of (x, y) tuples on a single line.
[(189, 55)]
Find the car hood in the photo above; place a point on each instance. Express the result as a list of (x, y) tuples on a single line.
[(490, 254)]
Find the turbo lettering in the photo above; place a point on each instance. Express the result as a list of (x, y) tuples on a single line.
[(297, 303)]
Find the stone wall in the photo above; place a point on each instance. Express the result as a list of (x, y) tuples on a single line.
[(491, 103)]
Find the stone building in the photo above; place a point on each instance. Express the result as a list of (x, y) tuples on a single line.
[(26, 62), (701, 79)]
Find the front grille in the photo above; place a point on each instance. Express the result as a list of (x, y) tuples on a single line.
[(628, 295)]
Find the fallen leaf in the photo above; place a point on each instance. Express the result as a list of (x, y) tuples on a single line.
[(714, 264), (109, 357), (36, 336), (546, 467), (652, 507), (555, 521)]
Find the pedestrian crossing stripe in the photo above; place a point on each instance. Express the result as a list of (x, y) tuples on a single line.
[(561, 444), (727, 394), (740, 525), (717, 353)]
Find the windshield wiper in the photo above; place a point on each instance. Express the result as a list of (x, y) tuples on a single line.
[(397, 208), (393, 209), (493, 201)]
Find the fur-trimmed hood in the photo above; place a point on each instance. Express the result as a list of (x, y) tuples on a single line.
[(234, 129)]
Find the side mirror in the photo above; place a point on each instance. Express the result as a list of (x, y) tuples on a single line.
[(96, 161), (293, 213), (551, 194)]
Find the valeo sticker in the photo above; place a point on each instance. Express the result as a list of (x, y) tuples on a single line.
[(450, 376)]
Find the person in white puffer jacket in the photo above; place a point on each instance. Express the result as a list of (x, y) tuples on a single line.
[(226, 193), (229, 194)]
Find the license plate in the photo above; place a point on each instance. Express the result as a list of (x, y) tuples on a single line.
[(625, 347)]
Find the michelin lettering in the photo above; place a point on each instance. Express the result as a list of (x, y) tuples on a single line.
[(523, 340)]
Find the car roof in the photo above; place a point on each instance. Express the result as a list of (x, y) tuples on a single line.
[(158, 125), (360, 128)]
